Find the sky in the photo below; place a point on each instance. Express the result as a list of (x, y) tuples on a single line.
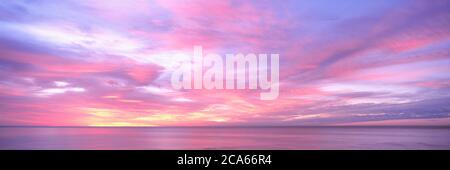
[(108, 63)]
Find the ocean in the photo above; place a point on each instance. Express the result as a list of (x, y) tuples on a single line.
[(227, 138)]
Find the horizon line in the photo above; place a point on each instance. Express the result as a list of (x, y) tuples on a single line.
[(237, 126)]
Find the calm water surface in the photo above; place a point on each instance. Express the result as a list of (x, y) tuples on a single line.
[(225, 138)]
